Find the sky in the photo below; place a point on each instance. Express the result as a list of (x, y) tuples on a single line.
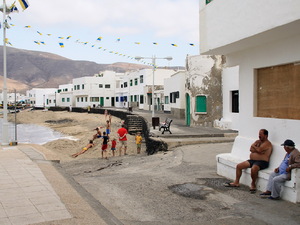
[(128, 28)]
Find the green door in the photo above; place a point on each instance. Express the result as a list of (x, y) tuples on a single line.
[(102, 101), (188, 110)]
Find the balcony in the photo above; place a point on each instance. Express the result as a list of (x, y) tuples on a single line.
[(234, 25)]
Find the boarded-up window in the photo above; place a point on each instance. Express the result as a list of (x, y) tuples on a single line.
[(278, 92), (201, 104)]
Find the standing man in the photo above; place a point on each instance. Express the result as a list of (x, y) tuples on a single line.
[(261, 151), (122, 132), (283, 172)]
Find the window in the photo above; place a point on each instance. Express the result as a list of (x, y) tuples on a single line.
[(59, 90), (122, 85), (135, 98), (235, 101), (74, 87), (68, 99), (131, 98), (117, 99), (166, 99), (107, 86), (278, 93), (141, 79), (94, 99), (81, 99), (208, 1), (141, 99), (78, 87), (173, 96), (77, 99), (86, 99), (100, 85), (130, 82), (135, 81), (201, 104), (82, 86), (63, 99)]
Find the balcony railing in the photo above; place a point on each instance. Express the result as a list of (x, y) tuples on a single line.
[(208, 1)]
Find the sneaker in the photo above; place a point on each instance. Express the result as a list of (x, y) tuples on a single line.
[(272, 198), (265, 195)]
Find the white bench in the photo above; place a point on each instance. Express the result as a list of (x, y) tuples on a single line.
[(226, 164)]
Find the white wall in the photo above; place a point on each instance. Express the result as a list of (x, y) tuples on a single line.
[(173, 84), (230, 21), (275, 53), (230, 82)]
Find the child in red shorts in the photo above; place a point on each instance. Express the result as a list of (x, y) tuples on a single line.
[(104, 145)]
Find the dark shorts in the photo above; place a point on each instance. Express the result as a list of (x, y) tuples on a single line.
[(262, 164)]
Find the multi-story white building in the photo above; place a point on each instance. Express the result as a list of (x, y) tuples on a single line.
[(136, 88), (39, 97), (262, 38), (95, 91), (65, 95)]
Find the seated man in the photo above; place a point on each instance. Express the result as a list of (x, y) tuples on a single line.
[(261, 151), (283, 172)]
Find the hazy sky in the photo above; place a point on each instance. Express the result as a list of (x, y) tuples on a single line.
[(164, 22)]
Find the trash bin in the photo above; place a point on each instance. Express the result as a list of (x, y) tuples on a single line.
[(155, 122)]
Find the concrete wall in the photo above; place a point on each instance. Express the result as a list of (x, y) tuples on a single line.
[(204, 78)]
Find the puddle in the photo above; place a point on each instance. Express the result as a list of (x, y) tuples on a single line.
[(33, 134), (191, 190)]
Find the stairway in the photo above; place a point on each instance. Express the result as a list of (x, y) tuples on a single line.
[(134, 124)]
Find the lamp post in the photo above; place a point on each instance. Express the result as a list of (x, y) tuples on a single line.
[(5, 122), (169, 58)]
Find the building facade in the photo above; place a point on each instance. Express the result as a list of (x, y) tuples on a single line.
[(263, 41)]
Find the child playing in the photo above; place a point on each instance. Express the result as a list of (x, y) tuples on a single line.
[(138, 141), (107, 128), (104, 145), (98, 134), (113, 146), (89, 145)]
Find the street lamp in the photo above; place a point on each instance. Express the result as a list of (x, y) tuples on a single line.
[(169, 58), (5, 122)]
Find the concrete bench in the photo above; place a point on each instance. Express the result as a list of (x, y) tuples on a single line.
[(226, 164)]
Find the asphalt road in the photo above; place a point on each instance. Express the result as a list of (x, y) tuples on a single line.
[(174, 187)]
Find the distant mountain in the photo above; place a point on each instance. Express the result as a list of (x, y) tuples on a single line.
[(29, 69)]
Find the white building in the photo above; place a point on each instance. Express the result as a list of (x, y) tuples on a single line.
[(174, 98), (95, 91), (136, 89), (262, 38), (65, 95), (39, 97)]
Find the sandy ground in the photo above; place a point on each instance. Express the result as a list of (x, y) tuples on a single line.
[(78, 125)]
